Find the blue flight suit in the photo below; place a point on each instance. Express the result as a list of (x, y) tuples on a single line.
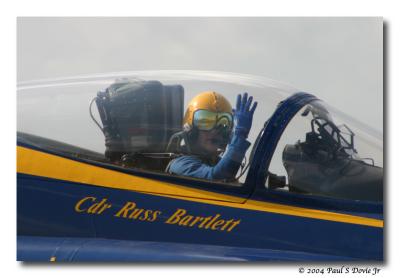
[(226, 168)]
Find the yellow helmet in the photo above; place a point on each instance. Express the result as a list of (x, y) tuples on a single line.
[(208, 101)]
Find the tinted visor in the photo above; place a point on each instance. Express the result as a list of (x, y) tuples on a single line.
[(207, 120)]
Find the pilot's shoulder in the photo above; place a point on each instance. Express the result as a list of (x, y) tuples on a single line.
[(186, 159), (184, 163)]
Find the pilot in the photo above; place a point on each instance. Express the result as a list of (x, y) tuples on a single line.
[(211, 127)]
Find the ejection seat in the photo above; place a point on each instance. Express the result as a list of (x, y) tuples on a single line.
[(138, 119)]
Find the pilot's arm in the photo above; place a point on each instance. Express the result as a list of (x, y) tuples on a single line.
[(230, 162), (226, 168)]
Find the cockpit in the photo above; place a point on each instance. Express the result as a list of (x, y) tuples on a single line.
[(134, 121), (326, 162)]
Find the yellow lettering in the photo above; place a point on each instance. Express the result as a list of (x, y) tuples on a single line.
[(176, 216), (233, 225), (78, 205), (185, 220), (135, 214), (106, 206), (124, 211), (226, 224), (145, 215), (204, 221), (213, 220), (96, 206), (216, 224), (198, 218), (154, 216)]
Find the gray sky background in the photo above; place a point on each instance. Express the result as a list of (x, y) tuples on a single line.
[(338, 59)]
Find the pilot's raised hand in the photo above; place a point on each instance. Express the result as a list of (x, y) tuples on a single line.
[(243, 115)]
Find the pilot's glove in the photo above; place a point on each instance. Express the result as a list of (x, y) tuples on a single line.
[(243, 115)]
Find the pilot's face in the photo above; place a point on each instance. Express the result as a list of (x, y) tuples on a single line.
[(210, 141)]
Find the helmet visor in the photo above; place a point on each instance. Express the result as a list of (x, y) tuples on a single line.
[(207, 120)]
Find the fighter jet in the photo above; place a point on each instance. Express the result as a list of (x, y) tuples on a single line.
[(92, 184)]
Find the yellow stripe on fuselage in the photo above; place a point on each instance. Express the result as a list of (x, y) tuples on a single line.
[(294, 211), (38, 163)]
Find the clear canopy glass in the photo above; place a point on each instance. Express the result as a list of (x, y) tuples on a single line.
[(64, 110)]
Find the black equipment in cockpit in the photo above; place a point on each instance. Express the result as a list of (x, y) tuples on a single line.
[(139, 117), (325, 164)]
